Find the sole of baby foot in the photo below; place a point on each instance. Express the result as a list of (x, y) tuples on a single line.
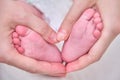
[(86, 31), (31, 44)]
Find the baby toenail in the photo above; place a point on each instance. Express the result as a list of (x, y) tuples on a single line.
[(100, 26), (96, 15), (15, 35)]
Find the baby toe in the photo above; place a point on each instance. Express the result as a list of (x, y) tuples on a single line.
[(97, 34), (99, 26), (21, 30), (16, 41), (96, 15), (97, 20), (15, 35), (88, 14), (20, 50), (16, 46)]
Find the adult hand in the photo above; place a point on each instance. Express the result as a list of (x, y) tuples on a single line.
[(13, 13), (110, 14)]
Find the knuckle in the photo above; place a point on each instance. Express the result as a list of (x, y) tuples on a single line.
[(32, 70), (97, 59), (71, 20), (30, 67), (45, 31), (94, 58), (20, 16)]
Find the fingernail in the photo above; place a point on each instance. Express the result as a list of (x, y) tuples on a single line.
[(53, 38), (61, 35)]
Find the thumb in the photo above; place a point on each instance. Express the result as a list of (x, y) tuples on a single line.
[(74, 13), (40, 26)]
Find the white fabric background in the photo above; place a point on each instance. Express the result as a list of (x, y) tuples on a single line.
[(106, 69)]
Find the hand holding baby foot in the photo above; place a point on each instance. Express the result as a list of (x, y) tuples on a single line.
[(15, 13), (32, 65), (86, 31), (111, 29), (84, 34)]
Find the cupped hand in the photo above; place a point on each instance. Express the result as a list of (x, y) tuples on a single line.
[(110, 14), (13, 13)]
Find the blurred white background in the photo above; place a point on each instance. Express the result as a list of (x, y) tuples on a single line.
[(105, 69)]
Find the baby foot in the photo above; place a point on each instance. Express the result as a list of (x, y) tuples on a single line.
[(31, 44), (86, 31)]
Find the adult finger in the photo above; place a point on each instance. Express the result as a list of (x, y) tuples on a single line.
[(33, 66)]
